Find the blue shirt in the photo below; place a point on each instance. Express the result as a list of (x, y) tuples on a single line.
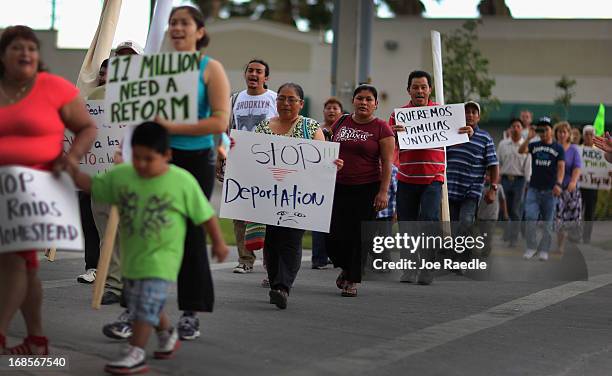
[(544, 158), (184, 142), (467, 164)]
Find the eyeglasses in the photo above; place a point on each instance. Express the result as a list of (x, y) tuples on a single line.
[(291, 100)]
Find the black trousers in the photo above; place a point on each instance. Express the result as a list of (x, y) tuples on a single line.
[(353, 204), (283, 255), (90, 232), (589, 203), (194, 284)]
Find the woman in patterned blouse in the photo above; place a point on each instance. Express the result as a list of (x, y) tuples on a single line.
[(283, 245)]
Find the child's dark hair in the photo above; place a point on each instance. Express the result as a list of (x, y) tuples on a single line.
[(151, 135)]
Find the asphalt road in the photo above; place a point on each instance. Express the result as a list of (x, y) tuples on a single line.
[(456, 326)]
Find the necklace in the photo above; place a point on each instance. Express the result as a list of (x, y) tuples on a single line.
[(18, 95)]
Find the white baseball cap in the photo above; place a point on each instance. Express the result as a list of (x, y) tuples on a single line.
[(131, 45)]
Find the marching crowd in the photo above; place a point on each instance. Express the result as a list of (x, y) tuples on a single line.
[(162, 195)]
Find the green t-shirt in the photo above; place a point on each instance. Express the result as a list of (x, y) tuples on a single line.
[(153, 217)]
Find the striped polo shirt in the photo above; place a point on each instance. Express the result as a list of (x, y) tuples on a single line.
[(467, 164), (422, 166)]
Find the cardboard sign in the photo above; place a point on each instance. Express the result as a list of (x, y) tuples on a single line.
[(281, 181), (38, 211), (595, 171), (431, 127), (100, 157), (142, 87)]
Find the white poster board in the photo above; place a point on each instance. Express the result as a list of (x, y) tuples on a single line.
[(38, 211), (431, 126), (100, 157), (141, 87), (280, 181), (595, 171)]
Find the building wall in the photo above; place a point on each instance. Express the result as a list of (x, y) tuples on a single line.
[(526, 57)]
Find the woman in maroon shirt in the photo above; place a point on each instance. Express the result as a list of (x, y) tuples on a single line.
[(366, 147)]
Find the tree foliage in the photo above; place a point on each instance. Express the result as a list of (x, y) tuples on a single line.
[(466, 70), (566, 85), (494, 8)]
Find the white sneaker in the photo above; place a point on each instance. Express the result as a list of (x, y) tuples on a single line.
[(88, 277), (168, 343), (543, 256), (132, 361), (529, 253), (243, 269)]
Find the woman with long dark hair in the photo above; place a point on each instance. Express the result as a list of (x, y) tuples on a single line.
[(193, 149), (366, 147)]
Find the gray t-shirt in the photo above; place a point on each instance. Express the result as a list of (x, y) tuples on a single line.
[(490, 212)]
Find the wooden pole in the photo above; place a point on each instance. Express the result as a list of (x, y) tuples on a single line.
[(105, 256), (50, 253), (436, 50)]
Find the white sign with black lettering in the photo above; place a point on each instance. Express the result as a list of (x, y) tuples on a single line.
[(38, 211), (281, 181), (100, 157), (431, 126), (595, 171)]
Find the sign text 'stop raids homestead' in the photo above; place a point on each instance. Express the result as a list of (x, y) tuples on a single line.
[(142, 87), (431, 127)]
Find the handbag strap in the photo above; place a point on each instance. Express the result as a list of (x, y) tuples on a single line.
[(305, 128)]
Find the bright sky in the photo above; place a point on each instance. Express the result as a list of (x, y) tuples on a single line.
[(77, 20)]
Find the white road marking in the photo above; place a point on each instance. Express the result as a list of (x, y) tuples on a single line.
[(402, 347)]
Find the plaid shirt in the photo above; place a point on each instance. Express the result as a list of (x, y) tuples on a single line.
[(390, 210)]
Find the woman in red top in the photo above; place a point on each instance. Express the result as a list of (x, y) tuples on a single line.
[(34, 109), (366, 145)]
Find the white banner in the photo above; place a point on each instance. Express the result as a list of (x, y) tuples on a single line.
[(595, 172), (38, 211), (140, 87), (431, 127), (100, 157), (281, 181)]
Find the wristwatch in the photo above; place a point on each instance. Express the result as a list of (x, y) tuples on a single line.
[(494, 187)]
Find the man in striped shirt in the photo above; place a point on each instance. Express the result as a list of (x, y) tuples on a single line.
[(466, 168), (420, 174)]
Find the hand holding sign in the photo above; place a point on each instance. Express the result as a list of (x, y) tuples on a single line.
[(431, 126)]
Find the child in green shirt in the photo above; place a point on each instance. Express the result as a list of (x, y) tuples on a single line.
[(155, 200)]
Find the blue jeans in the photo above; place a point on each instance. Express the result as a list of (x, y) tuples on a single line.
[(319, 255), (463, 211), (418, 202), (514, 189), (539, 205)]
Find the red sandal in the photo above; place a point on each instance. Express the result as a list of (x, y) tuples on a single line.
[(32, 345)]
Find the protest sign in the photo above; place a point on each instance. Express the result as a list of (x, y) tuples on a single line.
[(38, 211), (100, 157), (595, 171), (140, 87), (431, 127), (281, 181)]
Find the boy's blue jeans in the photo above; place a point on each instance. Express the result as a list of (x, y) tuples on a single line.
[(539, 205)]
